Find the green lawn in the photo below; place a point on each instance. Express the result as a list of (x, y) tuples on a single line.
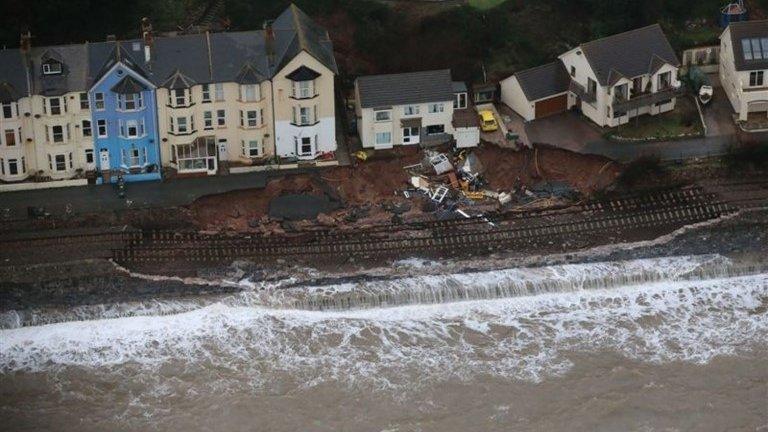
[(485, 4), (683, 120)]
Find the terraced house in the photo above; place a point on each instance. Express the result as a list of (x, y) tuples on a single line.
[(192, 104)]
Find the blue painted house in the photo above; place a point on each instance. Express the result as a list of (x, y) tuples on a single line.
[(124, 113)]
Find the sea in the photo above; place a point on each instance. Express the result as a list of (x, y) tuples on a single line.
[(658, 344)]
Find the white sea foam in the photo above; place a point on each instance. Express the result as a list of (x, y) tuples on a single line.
[(525, 337)]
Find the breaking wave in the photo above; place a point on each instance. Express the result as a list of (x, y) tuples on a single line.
[(685, 308)]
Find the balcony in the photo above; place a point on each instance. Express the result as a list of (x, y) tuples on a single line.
[(582, 93), (621, 104)]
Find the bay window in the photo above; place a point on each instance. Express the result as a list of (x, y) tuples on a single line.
[(252, 148), (250, 93), (303, 89)]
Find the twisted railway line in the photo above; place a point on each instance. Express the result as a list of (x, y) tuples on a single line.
[(626, 218)]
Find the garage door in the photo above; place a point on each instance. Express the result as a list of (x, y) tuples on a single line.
[(551, 106)]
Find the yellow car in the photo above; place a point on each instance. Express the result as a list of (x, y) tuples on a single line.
[(488, 122)]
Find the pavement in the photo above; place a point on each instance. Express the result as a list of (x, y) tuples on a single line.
[(99, 198)]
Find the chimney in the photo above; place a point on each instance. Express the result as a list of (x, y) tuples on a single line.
[(269, 42), (146, 34), (25, 45)]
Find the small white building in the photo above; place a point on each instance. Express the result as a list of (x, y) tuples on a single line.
[(413, 108), (610, 80), (744, 66)]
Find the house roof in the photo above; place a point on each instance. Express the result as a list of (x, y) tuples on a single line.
[(128, 85), (748, 30), (405, 88), (629, 54), (176, 60), (543, 81), (459, 87), (303, 73)]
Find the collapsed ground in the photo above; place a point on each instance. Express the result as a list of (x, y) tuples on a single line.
[(372, 191)]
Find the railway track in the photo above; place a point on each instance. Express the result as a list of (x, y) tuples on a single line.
[(665, 209), (661, 210)]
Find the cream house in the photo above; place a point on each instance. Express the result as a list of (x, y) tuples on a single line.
[(610, 80), (46, 118), (245, 97), (412, 109), (744, 66)]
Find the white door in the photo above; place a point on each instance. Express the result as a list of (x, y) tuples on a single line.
[(411, 135), (104, 159)]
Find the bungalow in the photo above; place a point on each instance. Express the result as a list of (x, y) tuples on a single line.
[(425, 108), (744, 66), (609, 80)]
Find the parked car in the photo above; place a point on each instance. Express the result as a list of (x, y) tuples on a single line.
[(488, 121)]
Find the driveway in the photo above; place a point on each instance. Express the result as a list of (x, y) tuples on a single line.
[(574, 132), (718, 114)]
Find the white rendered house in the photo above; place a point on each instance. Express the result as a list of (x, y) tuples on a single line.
[(610, 80), (744, 66)]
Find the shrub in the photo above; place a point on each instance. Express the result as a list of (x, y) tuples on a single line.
[(747, 157)]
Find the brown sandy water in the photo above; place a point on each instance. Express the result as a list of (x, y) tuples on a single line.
[(660, 352)]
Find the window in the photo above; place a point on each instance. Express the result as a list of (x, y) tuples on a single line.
[(57, 133), (621, 92), (179, 97), (181, 125), (411, 110), (13, 166), (98, 101), (252, 148), (383, 115), (302, 90), (435, 129), (221, 118), (86, 128), (71, 162), (2, 166), (84, 105), (249, 118), (436, 108), (135, 158), (249, 93), (573, 71), (10, 137), (51, 68), (101, 128), (756, 78), (219, 91), (61, 162), (131, 129), (89, 156), (665, 80), (8, 110), (55, 106), (206, 93), (131, 102), (383, 138), (207, 120), (460, 102), (305, 147), (302, 116), (591, 86)]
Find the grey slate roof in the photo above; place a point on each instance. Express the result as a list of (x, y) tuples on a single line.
[(629, 54), (302, 73), (128, 85), (544, 81), (746, 30), (405, 88), (199, 58), (459, 87)]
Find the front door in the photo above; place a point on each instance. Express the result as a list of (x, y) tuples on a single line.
[(411, 135), (104, 159)]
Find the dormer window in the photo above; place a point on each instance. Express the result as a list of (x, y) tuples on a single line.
[(51, 67)]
